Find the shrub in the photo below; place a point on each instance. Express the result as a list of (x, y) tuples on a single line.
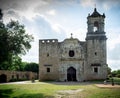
[(118, 75)]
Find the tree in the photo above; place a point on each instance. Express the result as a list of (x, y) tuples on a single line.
[(116, 73), (109, 70), (17, 64), (4, 55), (31, 67), (14, 42)]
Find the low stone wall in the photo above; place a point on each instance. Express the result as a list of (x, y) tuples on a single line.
[(6, 76)]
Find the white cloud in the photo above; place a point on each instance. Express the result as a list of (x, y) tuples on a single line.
[(114, 53), (113, 35), (51, 12), (106, 6), (113, 47), (57, 28), (32, 55), (114, 64), (41, 28), (11, 14), (87, 3)]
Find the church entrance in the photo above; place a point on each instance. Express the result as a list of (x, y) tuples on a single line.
[(71, 74)]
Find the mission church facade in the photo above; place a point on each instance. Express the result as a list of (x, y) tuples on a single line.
[(74, 60)]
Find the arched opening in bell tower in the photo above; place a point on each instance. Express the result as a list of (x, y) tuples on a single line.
[(96, 26)]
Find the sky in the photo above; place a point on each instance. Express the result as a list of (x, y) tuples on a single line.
[(49, 19)]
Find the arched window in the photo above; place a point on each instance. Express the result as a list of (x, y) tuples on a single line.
[(3, 78), (96, 26), (71, 53)]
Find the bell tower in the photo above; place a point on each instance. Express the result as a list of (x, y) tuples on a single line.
[(96, 46), (95, 23)]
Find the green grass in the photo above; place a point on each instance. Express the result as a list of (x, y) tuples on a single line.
[(48, 90), (117, 80)]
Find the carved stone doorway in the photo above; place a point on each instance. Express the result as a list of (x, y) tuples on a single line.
[(71, 74)]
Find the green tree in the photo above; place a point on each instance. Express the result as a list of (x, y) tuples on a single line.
[(109, 70), (34, 67), (14, 42), (17, 64), (4, 54), (116, 73)]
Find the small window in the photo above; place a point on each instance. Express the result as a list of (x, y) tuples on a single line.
[(96, 53), (71, 53), (96, 70), (17, 76), (12, 76), (47, 54), (48, 69)]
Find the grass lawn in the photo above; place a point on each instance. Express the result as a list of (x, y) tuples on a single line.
[(49, 89), (117, 80)]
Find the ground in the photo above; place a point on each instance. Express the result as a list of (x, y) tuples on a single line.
[(28, 89)]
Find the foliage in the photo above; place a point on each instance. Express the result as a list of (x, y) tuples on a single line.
[(116, 73), (14, 79), (13, 43), (4, 55), (34, 67), (17, 64), (109, 70), (19, 41)]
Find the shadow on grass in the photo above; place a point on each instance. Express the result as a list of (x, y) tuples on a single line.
[(5, 93), (39, 95)]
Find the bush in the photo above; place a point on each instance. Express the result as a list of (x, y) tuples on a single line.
[(118, 75), (15, 80)]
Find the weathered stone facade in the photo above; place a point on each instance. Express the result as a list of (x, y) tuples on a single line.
[(74, 60), (6, 75)]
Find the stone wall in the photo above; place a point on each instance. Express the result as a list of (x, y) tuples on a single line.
[(49, 59), (18, 75)]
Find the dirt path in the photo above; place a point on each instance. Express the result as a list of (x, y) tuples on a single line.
[(68, 93), (107, 86)]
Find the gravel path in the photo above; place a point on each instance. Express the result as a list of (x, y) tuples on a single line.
[(68, 93), (107, 86)]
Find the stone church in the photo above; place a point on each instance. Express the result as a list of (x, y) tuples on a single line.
[(75, 60)]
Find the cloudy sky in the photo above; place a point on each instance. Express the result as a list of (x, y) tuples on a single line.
[(46, 19)]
